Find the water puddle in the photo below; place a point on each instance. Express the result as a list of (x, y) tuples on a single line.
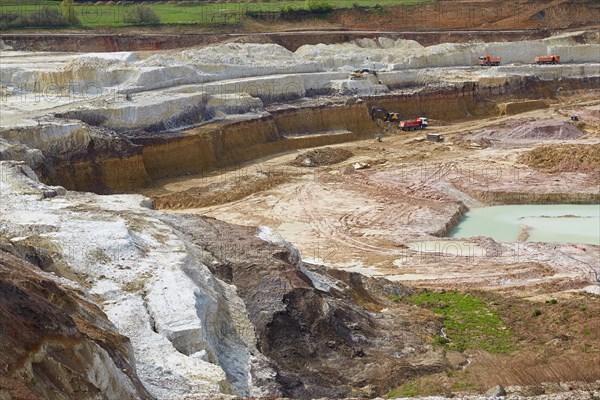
[(570, 223)]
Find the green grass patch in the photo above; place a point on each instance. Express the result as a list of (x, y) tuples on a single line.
[(410, 389), (201, 14), (395, 298), (437, 384), (468, 321)]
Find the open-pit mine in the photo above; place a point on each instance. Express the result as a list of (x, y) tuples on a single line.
[(238, 220)]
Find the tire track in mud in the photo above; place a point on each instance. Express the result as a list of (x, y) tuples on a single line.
[(340, 231)]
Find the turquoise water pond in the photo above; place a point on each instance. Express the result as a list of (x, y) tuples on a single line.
[(571, 223)]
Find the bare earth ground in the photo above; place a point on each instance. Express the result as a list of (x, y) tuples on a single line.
[(410, 193), (404, 196)]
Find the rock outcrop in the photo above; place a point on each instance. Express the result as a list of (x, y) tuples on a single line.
[(56, 343), (329, 333), (188, 330)]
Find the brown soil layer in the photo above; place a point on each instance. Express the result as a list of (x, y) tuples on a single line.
[(557, 346), (564, 158), (100, 42), (219, 192), (430, 23), (321, 157)]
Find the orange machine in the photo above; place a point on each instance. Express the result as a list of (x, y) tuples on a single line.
[(553, 59), (489, 60)]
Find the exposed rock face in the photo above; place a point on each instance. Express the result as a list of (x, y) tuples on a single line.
[(105, 163), (76, 155), (190, 333), (210, 308), (497, 391), (328, 332), (408, 54), (56, 344)]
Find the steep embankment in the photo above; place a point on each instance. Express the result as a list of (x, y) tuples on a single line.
[(188, 331), (83, 157), (108, 162), (206, 315), (117, 121), (328, 333), (55, 342), (99, 42)]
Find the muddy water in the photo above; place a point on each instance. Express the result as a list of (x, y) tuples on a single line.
[(571, 223)]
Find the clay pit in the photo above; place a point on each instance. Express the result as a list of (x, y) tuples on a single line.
[(219, 221)]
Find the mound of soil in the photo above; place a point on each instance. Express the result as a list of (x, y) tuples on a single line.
[(320, 157), (517, 130), (545, 130), (564, 158)]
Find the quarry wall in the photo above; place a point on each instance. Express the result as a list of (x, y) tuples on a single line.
[(230, 142)]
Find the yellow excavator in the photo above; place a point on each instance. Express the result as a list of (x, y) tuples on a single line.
[(362, 73), (384, 115)]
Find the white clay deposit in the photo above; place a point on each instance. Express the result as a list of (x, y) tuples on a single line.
[(250, 75), (152, 287)]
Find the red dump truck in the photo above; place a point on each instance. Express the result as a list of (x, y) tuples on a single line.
[(489, 60), (417, 123), (553, 59)]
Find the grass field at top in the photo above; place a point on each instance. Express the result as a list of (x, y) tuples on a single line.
[(91, 15)]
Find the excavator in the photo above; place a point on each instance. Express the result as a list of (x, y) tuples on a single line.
[(384, 115), (361, 73)]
